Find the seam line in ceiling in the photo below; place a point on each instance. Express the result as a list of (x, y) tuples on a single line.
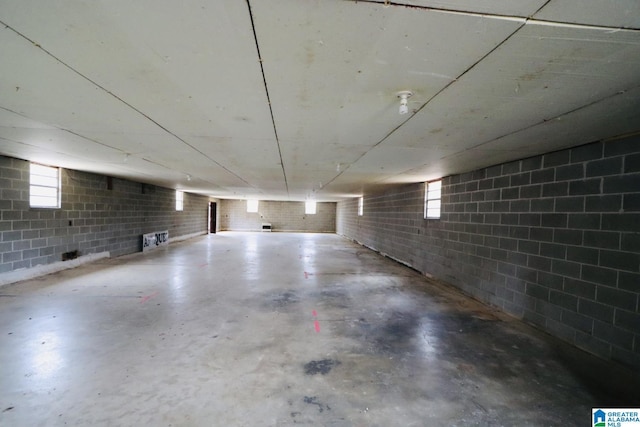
[(83, 137), (540, 8), (490, 15), (107, 91), (62, 129), (266, 89), (438, 9), (482, 58), (72, 133), (557, 117), (525, 21)]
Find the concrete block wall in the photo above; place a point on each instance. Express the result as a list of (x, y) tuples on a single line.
[(92, 218), (552, 239), (283, 216)]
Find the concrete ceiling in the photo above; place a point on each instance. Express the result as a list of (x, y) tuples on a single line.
[(296, 99)]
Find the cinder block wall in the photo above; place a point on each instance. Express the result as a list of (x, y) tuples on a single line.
[(92, 218), (552, 239), (283, 216)]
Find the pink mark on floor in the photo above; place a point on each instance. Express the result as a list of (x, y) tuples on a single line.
[(147, 297), (316, 323), (306, 275)]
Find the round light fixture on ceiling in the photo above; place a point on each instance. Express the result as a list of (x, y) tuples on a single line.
[(404, 96)]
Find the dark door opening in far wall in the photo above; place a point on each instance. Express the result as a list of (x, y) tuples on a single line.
[(212, 217)]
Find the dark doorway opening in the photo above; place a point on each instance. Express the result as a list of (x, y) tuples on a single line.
[(212, 217)]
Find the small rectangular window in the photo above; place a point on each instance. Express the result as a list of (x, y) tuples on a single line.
[(310, 207), (360, 206), (179, 200), (252, 206), (44, 186), (432, 195)]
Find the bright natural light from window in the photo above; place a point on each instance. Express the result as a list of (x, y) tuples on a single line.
[(432, 193), (252, 206), (44, 188), (179, 200), (360, 206), (310, 207)]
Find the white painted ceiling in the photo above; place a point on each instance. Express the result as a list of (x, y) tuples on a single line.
[(296, 99)]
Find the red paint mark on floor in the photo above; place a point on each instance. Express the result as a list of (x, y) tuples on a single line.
[(147, 297), (316, 323), (203, 265), (306, 275)]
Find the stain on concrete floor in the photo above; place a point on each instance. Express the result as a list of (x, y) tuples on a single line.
[(322, 367)]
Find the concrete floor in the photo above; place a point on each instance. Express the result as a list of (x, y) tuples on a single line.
[(271, 329)]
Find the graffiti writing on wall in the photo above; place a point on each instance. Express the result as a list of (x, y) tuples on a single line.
[(153, 240)]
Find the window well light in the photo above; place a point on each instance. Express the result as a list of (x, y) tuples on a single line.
[(179, 200), (310, 207), (252, 206), (44, 186), (432, 199)]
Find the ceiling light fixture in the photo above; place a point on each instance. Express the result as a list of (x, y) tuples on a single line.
[(188, 177), (404, 98)]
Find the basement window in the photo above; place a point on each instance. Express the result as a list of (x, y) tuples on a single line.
[(179, 200), (252, 206), (360, 206), (44, 186), (310, 207), (432, 194)]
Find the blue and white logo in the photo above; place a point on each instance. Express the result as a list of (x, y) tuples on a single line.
[(615, 417)]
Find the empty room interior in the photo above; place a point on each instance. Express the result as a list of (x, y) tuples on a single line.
[(328, 213)]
